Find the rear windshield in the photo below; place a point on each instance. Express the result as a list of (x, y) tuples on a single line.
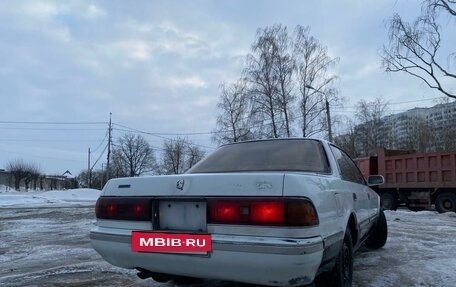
[(273, 155)]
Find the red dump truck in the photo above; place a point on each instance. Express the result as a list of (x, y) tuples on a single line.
[(417, 180)]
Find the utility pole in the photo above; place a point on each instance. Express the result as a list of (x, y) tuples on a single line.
[(102, 176), (109, 148), (89, 172), (328, 118)]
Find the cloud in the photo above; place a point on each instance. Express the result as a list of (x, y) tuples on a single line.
[(95, 12), (40, 9), (165, 37), (135, 49), (186, 81), (51, 9)]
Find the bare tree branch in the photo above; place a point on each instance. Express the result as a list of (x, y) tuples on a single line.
[(414, 49)]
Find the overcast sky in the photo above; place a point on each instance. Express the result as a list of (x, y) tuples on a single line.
[(157, 66)]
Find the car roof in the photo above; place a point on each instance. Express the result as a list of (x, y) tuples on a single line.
[(275, 139)]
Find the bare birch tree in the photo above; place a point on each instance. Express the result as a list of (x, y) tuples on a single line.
[(288, 78), (264, 80), (315, 83), (283, 70), (233, 121)]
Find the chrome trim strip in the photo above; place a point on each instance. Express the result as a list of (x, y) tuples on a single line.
[(285, 246), (120, 238), (336, 237)]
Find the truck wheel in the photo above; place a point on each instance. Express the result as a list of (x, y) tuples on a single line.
[(343, 270), (377, 238), (445, 202), (388, 201)]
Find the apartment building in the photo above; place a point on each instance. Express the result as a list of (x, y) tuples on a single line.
[(423, 129)]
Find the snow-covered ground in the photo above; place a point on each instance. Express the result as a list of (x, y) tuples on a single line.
[(49, 245), (82, 196)]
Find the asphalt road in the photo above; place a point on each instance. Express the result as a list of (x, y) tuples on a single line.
[(51, 247)]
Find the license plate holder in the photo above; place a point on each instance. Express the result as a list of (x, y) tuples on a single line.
[(182, 215), (171, 243)]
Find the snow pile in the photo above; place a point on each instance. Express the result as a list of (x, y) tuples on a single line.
[(4, 188), (83, 196)]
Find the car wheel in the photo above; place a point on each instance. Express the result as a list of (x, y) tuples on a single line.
[(377, 238), (388, 201), (445, 202), (343, 270)]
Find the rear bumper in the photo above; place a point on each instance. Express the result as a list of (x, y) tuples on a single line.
[(258, 260)]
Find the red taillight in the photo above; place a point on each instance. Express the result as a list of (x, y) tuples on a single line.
[(227, 212), (267, 212), (281, 212), (111, 208), (124, 208)]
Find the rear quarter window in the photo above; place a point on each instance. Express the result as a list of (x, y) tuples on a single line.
[(348, 169)]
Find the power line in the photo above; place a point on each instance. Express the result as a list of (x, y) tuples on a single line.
[(399, 103), (48, 140), (102, 141), (52, 123), (155, 135), (187, 134), (99, 157), (50, 129), (152, 146)]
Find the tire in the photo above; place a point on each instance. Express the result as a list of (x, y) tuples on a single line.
[(343, 270), (388, 201), (379, 234), (335, 277), (445, 202)]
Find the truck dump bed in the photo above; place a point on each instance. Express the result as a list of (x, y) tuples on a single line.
[(408, 169)]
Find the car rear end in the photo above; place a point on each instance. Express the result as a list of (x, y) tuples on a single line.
[(255, 233), (233, 204)]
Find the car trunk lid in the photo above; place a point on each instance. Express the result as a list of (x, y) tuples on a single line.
[(261, 184)]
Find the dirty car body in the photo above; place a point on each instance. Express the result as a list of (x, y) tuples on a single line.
[(277, 212)]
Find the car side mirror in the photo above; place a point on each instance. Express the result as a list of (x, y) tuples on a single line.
[(374, 180)]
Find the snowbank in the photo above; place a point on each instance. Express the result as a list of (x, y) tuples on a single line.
[(83, 196), (4, 188)]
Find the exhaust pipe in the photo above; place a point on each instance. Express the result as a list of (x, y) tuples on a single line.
[(143, 273), (159, 277)]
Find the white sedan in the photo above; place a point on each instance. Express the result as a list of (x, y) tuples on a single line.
[(270, 212)]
